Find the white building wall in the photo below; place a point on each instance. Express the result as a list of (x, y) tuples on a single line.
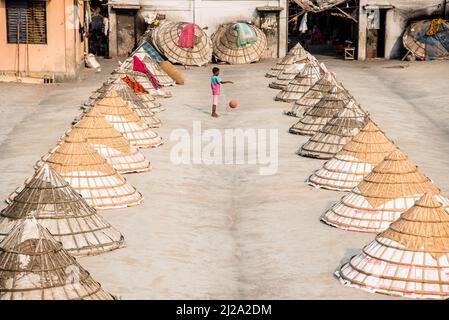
[(213, 13), (396, 21)]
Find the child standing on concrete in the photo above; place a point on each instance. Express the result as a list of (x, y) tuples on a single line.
[(216, 90)]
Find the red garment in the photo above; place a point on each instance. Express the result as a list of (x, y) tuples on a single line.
[(187, 37), (139, 66), (134, 85)]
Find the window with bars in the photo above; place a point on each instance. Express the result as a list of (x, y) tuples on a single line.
[(26, 21)]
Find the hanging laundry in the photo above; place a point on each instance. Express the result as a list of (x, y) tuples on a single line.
[(303, 26), (245, 34), (139, 66), (187, 37)]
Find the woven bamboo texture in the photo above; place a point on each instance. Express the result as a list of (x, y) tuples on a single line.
[(154, 67), (390, 189), (145, 111), (410, 259), (296, 54), (166, 37), (310, 98), (90, 174), (288, 75), (301, 83), (145, 82), (34, 266), (226, 49), (355, 161), (319, 115), (57, 207), (144, 97), (111, 144), (340, 130), (124, 120)]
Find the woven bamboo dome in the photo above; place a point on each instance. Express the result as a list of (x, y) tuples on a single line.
[(289, 74), (90, 175), (57, 207), (390, 189), (319, 115), (124, 120), (144, 97), (410, 259), (311, 97), (301, 83), (296, 54), (339, 131), (144, 81), (226, 49), (166, 37), (143, 110), (34, 266), (152, 65), (355, 161), (111, 144)]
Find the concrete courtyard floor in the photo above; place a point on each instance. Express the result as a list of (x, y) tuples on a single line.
[(224, 231)]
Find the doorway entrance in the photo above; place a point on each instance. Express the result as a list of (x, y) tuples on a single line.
[(126, 31), (375, 36)]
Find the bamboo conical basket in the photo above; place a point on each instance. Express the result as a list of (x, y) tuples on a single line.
[(143, 110), (146, 98), (90, 174), (289, 74), (166, 37), (34, 266), (57, 207), (319, 115), (124, 120), (153, 66), (301, 83), (355, 161), (311, 97), (327, 142), (297, 53), (390, 189), (410, 259), (144, 81), (226, 49), (111, 144)]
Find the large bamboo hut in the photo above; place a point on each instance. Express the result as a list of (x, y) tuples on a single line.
[(166, 39), (34, 266), (57, 207), (90, 174), (229, 48), (355, 161), (336, 133), (390, 189), (410, 259)]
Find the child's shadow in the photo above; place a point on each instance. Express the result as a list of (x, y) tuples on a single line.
[(202, 110)]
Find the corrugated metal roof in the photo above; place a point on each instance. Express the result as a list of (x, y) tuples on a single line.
[(318, 5)]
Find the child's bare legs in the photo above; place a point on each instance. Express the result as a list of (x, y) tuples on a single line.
[(214, 107), (214, 112)]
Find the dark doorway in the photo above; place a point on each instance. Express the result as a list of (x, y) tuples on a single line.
[(329, 32), (375, 37), (126, 31)]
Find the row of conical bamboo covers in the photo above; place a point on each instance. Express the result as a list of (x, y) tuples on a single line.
[(223, 44), (386, 193), (52, 218)]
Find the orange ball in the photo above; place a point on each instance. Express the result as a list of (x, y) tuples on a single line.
[(233, 104)]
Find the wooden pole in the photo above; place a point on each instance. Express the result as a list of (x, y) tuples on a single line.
[(18, 48), (27, 51)]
